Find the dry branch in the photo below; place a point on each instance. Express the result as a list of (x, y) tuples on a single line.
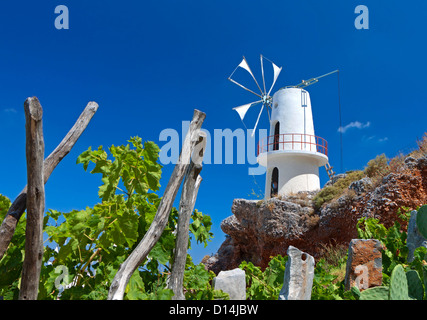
[(8, 226), (35, 200), (186, 205), (153, 234)]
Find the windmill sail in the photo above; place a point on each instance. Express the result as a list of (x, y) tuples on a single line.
[(266, 99), (244, 65), (276, 75), (241, 110)]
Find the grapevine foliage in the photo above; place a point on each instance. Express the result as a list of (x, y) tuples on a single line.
[(84, 248), (264, 285)]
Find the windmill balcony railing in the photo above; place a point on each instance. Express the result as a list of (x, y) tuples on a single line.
[(293, 142)]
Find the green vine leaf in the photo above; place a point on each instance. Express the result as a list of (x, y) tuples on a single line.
[(92, 243)]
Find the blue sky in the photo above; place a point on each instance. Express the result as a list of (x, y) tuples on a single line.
[(148, 64)]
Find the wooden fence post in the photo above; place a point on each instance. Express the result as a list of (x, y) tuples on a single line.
[(8, 226), (156, 228), (188, 199), (35, 200)]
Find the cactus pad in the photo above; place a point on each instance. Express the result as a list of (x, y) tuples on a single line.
[(375, 293), (398, 284), (415, 286)]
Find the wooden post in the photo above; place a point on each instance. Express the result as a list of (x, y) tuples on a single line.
[(160, 220), (8, 226), (188, 199), (35, 200)]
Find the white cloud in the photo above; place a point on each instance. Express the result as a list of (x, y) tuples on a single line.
[(354, 124), (10, 110), (374, 139)]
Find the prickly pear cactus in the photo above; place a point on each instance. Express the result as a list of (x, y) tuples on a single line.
[(415, 286), (425, 279), (403, 286), (356, 292), (398, 284), (422, 220), (375, 293)]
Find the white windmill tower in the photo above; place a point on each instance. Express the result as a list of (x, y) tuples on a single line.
[(292, 153)]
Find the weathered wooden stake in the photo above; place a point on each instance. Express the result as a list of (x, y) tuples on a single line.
[(8, 226), (35, 200), (188, 199), (153, 234)]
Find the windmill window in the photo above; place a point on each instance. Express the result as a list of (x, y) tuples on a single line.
[(274, 182), (276, 136), (303, 98)]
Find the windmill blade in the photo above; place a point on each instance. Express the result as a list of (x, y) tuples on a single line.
[(276, 74), (241, 110), (262, 72), (244, 87), (244, 64), (259, 115)]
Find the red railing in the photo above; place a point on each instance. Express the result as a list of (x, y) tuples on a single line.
[(293, 141)]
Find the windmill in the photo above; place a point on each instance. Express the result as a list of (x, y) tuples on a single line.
[(309, 82), (292, 153), (265, 98)]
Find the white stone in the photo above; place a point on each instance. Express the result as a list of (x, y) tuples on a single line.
[(414, 239), (232, 282), (299, 275)]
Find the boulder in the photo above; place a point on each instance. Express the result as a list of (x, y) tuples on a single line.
[(414, 239), (364, 264), (410, 162), (232, 282), (361, 186), (299, 275)]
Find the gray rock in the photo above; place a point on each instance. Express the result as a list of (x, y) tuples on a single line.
[(361, 186), (364, 264), (271, 219), (299, 274), (414, 239), (232, 282), (411, 162), (422, 164)]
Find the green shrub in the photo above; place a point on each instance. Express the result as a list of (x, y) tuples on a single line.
[(329, 193), (325, 195), (351, 176), (325, 282), (264, 285), (378, 167), (422, 148)]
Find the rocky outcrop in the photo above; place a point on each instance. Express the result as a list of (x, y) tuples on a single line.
[(258, 230)]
